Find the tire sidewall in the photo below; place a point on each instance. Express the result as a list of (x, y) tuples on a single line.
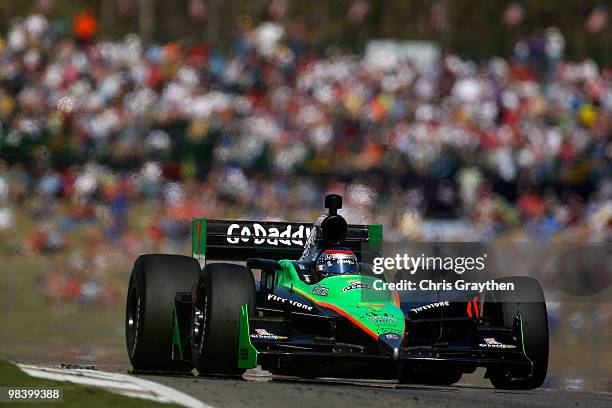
[(202, 288), (134, 340)]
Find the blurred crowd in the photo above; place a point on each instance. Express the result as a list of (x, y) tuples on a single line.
[(137, 139)]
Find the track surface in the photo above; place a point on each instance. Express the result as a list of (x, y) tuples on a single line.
[(296, 393)]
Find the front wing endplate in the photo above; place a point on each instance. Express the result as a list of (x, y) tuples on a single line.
[(247, 354)]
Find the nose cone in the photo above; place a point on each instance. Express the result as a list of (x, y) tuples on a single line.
[(390, 344)]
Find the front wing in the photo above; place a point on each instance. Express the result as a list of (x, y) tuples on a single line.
[(277, 345), (474, 349)]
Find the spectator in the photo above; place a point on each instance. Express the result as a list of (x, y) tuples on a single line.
[(95, 128)]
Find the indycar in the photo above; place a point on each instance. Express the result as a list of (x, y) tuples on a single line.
[(269, 307)]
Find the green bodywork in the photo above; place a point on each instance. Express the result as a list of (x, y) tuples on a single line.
[(353, 296), (376, 312), (247, 354)]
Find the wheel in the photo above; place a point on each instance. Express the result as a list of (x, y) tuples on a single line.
[(221, 290), (153, 284), (528, 300), (429, 377)]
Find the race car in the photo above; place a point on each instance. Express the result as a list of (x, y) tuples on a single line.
[(300, 299)]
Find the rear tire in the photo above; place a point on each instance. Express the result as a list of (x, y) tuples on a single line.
[(221, 290), (153, 285), (528, 300)]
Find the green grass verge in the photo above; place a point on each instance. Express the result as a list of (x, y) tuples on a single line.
[(75, 395), (56, 337), (77, 334)]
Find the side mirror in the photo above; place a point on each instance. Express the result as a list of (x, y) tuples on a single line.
[(260, 263), (268, 269)]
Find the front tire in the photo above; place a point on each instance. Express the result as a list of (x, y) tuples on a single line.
[(154, 281), (221, 290), (527, 299)]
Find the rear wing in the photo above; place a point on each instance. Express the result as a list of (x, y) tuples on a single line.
[(240, 240)]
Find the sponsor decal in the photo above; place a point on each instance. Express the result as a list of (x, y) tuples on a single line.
[(260, 235), (338, 257), (391, 336), (430, 306), (372, 314), (383, 319), (320, 290), (490, 342), (289, 301), (263, 334), (354, 284), (383, 323), (335, 257), (306, 278)]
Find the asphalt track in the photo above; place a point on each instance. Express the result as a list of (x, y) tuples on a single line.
[(267, 391)]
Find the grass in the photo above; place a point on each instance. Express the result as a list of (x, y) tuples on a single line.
[(75, 395), (35, 330), (31, 329)]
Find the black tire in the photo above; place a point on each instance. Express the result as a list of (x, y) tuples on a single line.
[(221, 290), (528, 300), (409, 375), (153, 284)]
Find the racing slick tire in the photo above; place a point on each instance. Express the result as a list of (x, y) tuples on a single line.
[(221, 290), (153, 285), (528, 300)]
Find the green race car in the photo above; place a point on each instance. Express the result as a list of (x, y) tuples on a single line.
[(302, 300)]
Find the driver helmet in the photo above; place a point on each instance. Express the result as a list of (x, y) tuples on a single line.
[(337, 261)]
